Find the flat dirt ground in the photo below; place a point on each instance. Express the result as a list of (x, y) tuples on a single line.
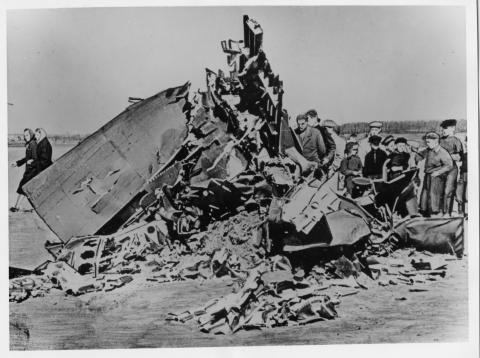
[(134, 315)]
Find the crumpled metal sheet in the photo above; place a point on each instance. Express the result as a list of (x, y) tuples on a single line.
[(439, 235), (338, 228), (97, 254), (88, 186)]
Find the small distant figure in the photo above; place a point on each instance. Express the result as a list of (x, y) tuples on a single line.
[(374, 160), (31, 165), (351, 166), (44, 149), (454, 147), (438, 164), (364, 144)]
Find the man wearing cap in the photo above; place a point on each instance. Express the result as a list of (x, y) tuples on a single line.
[(340, 143), (330, 146), (453, 146), (364, 144), (374, 160), (312, 144), (437, 165), (399, 161)]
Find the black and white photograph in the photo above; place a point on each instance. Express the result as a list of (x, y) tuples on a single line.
[(233, 176)]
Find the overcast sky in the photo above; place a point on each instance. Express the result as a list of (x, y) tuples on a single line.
[(72, 70)]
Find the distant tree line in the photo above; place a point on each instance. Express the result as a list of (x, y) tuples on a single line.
[(400, 126)]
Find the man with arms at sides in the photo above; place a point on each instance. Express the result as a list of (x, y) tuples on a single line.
[(454, 147), (438, 164), (351, 166)]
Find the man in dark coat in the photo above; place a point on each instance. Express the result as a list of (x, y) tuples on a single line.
[(454, 147), (330, 146), (374, 160), (31, 165), (44, 149)]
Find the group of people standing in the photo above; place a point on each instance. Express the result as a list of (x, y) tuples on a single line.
[(385, 158), (38, 156)]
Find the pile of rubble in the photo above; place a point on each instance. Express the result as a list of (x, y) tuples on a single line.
[(271, 296), (275, 294)]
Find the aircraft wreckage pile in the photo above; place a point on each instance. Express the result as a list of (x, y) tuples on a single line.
[(223, 195)]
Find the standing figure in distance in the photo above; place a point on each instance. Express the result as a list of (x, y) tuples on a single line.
[(461, 195), (351, 166), (364, 144), (454, 147), (330, 145), (437, 165), (44, 149), (374, 160), (31, 165), (396, 164), (340, 143)]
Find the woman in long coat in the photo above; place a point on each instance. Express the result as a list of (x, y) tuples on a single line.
[(31, 164)]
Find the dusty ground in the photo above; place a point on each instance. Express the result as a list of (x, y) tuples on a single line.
[(134, 315)]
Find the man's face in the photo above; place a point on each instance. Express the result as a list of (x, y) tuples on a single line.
[(375, 130), (432, 143), (373, 146), (26, 136), (401, 147), (448, 131), (302, 124)]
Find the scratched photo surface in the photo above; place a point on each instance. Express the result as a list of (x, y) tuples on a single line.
[(225, 176)]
